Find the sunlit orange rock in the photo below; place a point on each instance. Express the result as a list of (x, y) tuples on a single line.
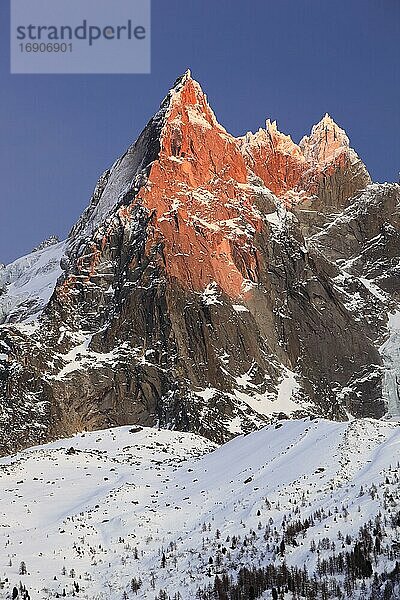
[(307, 172), (273, 157), (203, 217), (201, 212)]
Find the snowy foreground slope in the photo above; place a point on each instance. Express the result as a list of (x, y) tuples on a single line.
[(141, 513)]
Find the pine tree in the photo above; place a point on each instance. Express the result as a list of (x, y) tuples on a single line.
[(136, 584)]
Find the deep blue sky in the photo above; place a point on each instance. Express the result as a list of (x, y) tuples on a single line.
[(291, 60)]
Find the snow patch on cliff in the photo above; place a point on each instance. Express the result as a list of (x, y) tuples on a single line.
[(27, 283), (390, 352)]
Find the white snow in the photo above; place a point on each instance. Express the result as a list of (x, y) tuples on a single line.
[(239, 308), (374, 289), (248, 285), (390, 352), (358, 302), (28, 283), (211, 294), (273, 218), (268, 403), (207, 394), (206, 224), (81, 356), (286, 390), (87, 509), (368, 197), (197, 118)]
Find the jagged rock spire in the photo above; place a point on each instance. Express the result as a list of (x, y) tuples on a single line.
[(325, 140), (189, 290)]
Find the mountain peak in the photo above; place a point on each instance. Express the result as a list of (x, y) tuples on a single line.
[(271, 126), (188, 293), (181, 80), (192, 187), (183, 148), (187, 117), (325, 141), (188, 91), (274, 157), (327, 120)]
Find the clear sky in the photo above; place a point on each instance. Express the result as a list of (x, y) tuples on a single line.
[(290, 60)]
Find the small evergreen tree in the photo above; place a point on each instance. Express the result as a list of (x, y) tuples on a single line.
[(136, 584), (22, 568)]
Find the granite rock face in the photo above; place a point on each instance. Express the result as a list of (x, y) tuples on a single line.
[(315, 178), (195, 294)]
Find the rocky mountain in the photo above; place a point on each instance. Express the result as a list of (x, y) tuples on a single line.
[(322, 171), (213, 284)]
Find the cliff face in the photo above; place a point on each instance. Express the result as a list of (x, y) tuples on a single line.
[(190, 297), (315, 178), (275, 158)]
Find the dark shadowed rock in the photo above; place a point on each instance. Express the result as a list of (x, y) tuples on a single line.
[(191, 299)]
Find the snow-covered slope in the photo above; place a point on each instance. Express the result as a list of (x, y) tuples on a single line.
[(27, 283), (103, 510)]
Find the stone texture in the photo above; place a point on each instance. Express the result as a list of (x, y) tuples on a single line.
[(189, 290)]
